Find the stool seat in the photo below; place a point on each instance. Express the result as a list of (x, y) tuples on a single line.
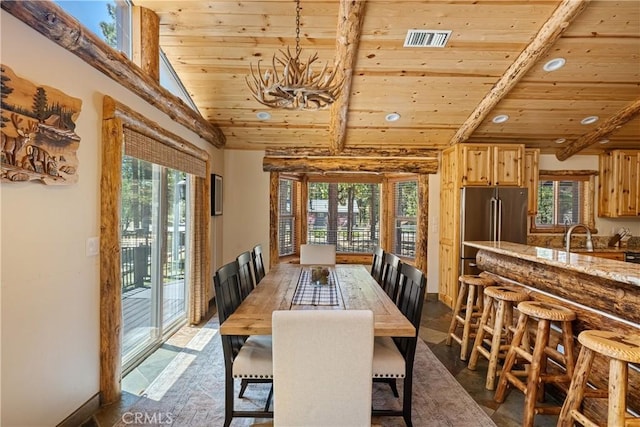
[(612, 344), (506, 293), (544, 310), (476, 280)]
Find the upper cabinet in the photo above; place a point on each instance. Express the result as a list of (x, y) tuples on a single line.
[(618, 192), (531, 174), (488, 165)]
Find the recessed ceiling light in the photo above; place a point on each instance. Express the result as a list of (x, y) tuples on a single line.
[(590, 119), (263, 115), (500, 118), (554, 64), (392, 117), (561, 140), (603, 141)]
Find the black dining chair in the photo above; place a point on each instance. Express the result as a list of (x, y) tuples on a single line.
[(393, 357), (377, 263), (247, 283), (390, 277), (247, 358), (258, 263)]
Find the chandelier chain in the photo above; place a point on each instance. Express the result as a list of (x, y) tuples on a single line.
[(297, 27)]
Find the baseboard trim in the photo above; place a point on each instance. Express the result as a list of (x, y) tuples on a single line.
[(83, 413)]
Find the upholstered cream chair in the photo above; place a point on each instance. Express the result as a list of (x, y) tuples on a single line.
[(322, 368), (317, 254)]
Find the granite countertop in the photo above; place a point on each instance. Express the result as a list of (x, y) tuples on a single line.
[(619, 271)]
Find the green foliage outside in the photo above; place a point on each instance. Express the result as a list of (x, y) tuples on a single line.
[(109, 28)]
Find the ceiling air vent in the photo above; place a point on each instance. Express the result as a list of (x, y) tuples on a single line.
[(427, 38)]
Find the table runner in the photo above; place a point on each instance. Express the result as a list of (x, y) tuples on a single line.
[(308, 293)]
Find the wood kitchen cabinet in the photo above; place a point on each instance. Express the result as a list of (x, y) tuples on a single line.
[(619, 189), (484, 165), (531, 175), (466, 165)]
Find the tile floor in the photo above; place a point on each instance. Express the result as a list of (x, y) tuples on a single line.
[(435, 323)]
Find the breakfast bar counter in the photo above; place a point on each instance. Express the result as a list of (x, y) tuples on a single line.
[(604, 293)]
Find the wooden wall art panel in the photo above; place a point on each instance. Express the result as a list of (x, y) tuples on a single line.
[(39, 141)]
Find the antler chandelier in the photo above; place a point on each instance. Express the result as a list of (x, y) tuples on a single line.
[(296, 87)]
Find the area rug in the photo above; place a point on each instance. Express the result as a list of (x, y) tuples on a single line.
[(190, 392)]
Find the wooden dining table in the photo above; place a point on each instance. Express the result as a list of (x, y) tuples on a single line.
[(357, 290)]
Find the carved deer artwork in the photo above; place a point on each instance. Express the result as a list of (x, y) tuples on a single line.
[(39, 160), (11, 145)]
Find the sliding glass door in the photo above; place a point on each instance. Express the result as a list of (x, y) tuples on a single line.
[(154, 231)]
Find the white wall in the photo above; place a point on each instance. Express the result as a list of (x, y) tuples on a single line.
[(605, 226), (245, 204), (50, 304)]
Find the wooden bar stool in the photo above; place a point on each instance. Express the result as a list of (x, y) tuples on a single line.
[(496, 320), (471, 289), (537, 375), (621, 350)]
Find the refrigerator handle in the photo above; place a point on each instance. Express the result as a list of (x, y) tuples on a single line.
[(493, 225), (499, 221)]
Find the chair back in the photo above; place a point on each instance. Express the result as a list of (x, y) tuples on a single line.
[(390, 275), (258, 263), (376, 264), (317, 254), (322, 367), (411, 290), (227, 286), (246, 277)]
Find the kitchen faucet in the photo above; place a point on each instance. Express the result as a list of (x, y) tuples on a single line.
[(589, 244)]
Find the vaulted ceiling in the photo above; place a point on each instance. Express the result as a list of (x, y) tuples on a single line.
[(491, 65)]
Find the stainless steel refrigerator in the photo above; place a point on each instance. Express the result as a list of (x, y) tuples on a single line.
[(491, 214)]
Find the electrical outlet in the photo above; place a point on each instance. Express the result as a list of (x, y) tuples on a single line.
[(93, 246)]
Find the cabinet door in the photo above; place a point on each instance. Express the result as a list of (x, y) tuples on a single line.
[(476, 165), (628, 183), (448, 289), (531, 169), (508, 165), (606, 186)]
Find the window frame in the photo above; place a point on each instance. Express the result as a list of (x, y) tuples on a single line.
[(587, 199), (393, 209)]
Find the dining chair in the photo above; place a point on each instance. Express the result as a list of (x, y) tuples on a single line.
[(317, 254), (258, 263), (393, 357), (246, 277), (246, 358), (390, 276), (322, 365), (376, 264)]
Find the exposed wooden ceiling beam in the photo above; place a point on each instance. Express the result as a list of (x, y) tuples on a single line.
[(350, 164), (551, 31), (51, 21), (350, 19), (357, 152), (610, 125)]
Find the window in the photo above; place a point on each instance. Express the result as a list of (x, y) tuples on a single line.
[(109, 20), (405, 209), (564, 200), (344, 214), (286, 218)]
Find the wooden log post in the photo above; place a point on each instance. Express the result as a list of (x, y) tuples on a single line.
[(146, 41), (422, 223), (110, 280), (274, 246)]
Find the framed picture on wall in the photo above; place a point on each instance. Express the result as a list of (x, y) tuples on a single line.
[(216, 195)]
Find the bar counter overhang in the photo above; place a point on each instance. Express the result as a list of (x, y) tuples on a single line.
[(605, 294)]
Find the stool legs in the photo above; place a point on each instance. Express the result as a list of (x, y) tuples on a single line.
[(468, 318), (462, 292), (471, 311), (577, 388), (618, 371)]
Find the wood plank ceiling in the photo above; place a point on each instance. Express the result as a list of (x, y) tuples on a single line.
[(490, 66)]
